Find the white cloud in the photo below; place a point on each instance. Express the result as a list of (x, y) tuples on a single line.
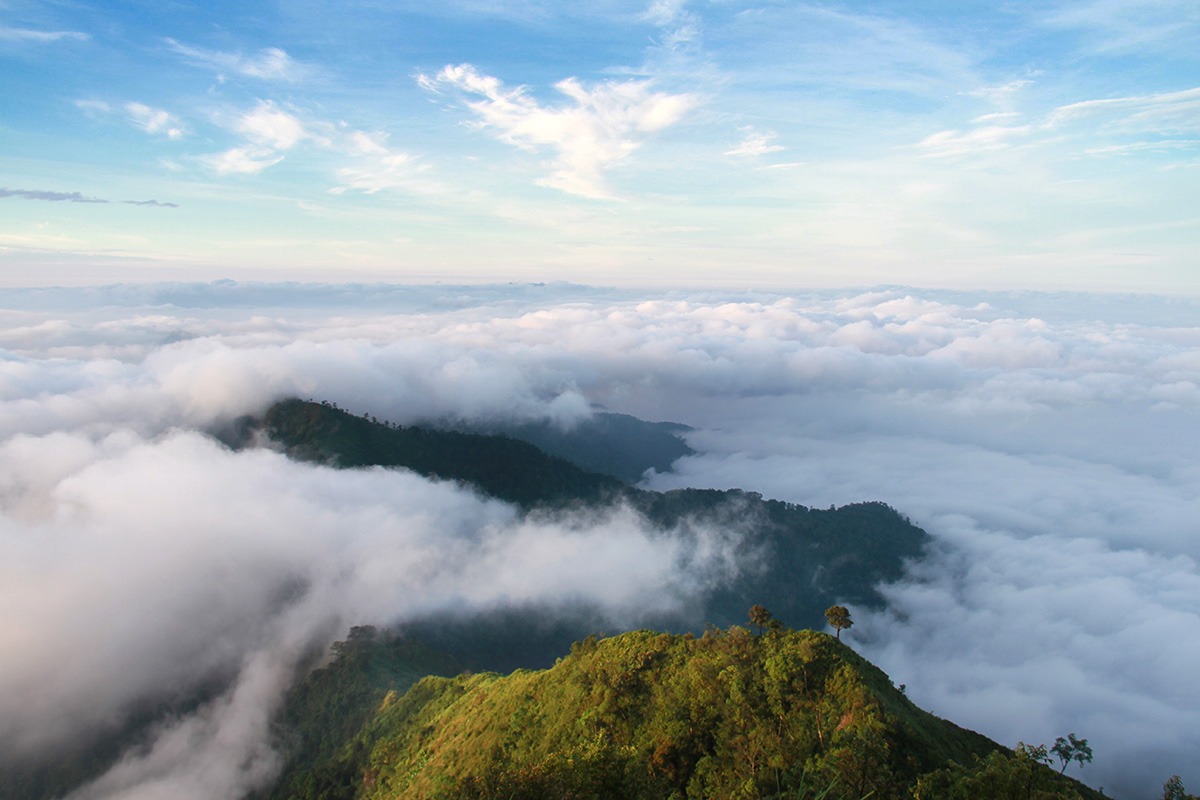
[(247, 159), (268, 126), (270, 63), (756, 143), (1002, 95), (602, 126), (10, 34), (376, 168), (1163, 112), (1121, 26), (1091, 126), (979, 139), (269, 132), (155, 120)]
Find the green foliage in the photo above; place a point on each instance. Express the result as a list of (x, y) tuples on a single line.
[(1022, 774), (1071, 749), (762, 619), (1173, 790), (839, 619), (324, 712), (651, 715)]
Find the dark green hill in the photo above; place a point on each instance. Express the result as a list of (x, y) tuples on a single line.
[(617, 445), (329, 707), (795, 559), (650, 715), (500, 466)]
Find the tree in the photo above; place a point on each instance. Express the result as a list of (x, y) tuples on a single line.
[(761, 618), (1173, 790), (1021, 773), (839, 618), (1071, 749)]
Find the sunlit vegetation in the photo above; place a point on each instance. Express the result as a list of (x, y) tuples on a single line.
[(729, 714)]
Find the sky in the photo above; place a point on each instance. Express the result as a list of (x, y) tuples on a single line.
[(1050, 145), (527, 209), (1046, 442)]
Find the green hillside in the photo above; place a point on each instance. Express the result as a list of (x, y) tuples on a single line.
[(328, 708), (651, 715)]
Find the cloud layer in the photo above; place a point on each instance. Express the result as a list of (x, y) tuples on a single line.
[(1046, 441)]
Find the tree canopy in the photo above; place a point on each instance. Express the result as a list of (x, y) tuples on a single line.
[(839, 618)]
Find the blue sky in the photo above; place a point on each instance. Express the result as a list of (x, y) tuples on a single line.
[(970, 145)]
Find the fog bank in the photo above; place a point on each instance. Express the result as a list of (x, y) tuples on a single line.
[(1046, 441)]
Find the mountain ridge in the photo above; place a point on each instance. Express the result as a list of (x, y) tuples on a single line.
[(649, 715), (799, 560)]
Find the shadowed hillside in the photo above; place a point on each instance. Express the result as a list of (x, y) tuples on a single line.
[(795, 559)]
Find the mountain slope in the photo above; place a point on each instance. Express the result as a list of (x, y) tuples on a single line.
[(652, 715), (331, 704), (796, 560), (502, 467), (617, 445)]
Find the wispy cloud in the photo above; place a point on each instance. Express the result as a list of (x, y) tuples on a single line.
[(270, 63), (150, 202), (149, 119), (1092, 125), (377, 167), (1176, 110), (246, 159), (756, 143), (57, 197), (75, 197), (154, 120), (269, 132), (595, 129), (8, 34), (1118, 26), (664, 12), (1002, 95), (983, 138)]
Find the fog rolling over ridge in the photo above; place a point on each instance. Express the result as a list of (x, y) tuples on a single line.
[(1047, 443)]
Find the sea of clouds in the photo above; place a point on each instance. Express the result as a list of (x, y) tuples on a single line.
[(1047, 442)]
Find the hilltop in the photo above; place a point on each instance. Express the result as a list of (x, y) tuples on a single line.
[(649, 715)]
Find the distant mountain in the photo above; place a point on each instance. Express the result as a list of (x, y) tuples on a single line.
[(648, 715), (796, 560), (500, 466), (618, 445)]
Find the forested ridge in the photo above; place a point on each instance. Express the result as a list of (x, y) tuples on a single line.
[(729, 714), (799, 559)]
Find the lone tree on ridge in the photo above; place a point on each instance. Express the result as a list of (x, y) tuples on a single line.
[(839, 618), (1071, 749)]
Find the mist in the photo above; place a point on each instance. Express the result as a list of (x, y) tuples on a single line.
[(1046, 442)]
